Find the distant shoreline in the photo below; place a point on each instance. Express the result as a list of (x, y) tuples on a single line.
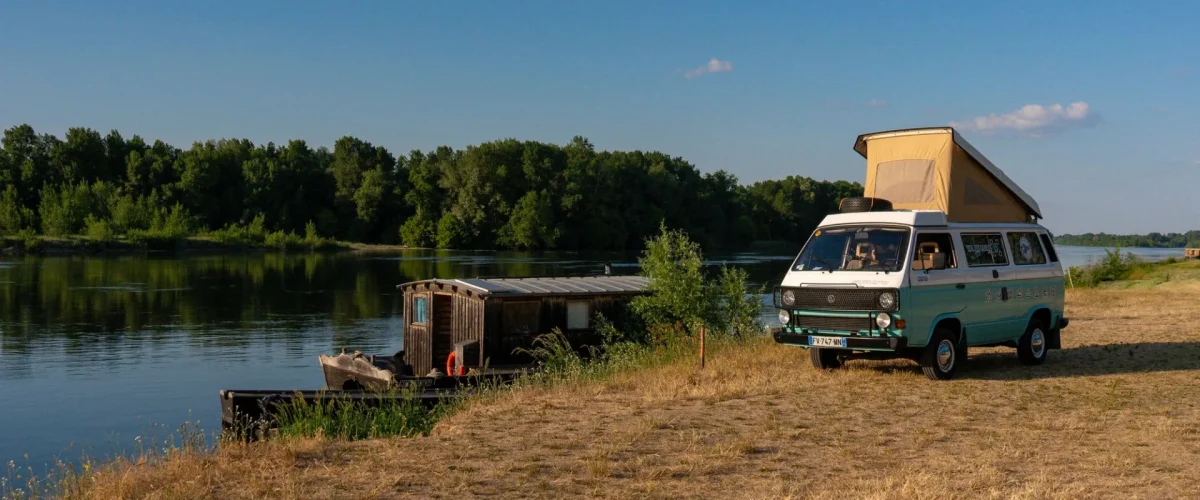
[(191, 245)]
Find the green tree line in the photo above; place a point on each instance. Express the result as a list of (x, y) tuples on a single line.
[(1190, 239), (500, 194)]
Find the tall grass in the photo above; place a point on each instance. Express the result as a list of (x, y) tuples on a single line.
[(396, 413), (73, 480), (1114, 266)]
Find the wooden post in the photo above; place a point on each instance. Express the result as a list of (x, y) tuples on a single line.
[(702, 329), (1071, 278)]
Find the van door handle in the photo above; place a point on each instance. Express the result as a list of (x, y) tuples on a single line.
[(960, 286), (995, 273)]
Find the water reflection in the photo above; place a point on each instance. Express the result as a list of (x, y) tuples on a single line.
[(93, 350)]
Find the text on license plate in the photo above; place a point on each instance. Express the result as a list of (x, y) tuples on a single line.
[(826, 341)]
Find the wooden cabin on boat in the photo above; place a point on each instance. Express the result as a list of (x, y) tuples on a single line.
[(484, 320)]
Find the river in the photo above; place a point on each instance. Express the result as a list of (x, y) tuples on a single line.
[(101, 355)]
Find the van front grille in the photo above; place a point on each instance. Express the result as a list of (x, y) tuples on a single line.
[(832, 323), (836, 299)]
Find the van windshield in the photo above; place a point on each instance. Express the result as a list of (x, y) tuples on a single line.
[(857, 248)]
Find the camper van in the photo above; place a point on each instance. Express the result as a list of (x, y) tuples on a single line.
[(943, 253)]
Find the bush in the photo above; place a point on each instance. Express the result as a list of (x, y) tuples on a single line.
[(682, 298), (13, 215), (401, 414), (679, 302), (417, 232), (98, 229)]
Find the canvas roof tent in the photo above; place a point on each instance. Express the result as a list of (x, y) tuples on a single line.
[(936, 169)]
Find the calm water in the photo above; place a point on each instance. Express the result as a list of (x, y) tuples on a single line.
[(97, 352)]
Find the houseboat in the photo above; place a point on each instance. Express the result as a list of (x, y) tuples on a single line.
[(457, 328)]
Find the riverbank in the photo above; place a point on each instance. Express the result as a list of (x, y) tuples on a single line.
[(83, 245), (758, 422)]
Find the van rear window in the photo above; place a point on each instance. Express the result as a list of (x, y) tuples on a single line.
[(984, 250), (1026, 249), (1049, 248)]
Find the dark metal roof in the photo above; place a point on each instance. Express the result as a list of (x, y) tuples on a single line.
[(573, 285)]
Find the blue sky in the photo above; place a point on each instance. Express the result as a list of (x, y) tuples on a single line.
[(792, 83)]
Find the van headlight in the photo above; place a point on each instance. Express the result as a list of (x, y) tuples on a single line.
[(784, 317), (789, 298), (883, 320), (887, 300)]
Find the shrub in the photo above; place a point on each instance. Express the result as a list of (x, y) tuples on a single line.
[(417, 232), (13, 215), (678, 301), (282, 240), (399, 413), (98, 229)]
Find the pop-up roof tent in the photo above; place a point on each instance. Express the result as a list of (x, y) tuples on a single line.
[(936, 169)]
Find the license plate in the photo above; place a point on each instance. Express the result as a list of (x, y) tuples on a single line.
[(826, 341)]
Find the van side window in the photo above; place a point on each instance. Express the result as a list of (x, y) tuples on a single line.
[(1049, 248), (984, 249), (934, 251), (1026, 249)]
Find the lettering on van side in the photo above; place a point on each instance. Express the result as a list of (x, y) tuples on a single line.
[(1020, 293)]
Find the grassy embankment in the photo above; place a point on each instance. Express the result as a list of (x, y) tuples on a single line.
[(1111, 415), (229, 239)]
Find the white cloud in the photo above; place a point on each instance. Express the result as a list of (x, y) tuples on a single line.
[(877, 103), (714, 66), (1033, 119)]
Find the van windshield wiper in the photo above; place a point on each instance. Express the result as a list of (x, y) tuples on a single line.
[(822, 262)]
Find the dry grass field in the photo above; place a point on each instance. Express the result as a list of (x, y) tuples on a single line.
[(1115, 414)]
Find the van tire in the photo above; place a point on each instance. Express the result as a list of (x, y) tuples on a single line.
[(1033, 345), (824, 359), (864, 204), (934, 361)]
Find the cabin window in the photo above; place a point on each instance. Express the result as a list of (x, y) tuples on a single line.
[(984, 250), (1049, 248), (521, 317), (420, 310), (1026, 249), (905, 181), (579, 315), (934, 251)]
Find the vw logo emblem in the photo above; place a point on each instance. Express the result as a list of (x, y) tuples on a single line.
[(830, 299)]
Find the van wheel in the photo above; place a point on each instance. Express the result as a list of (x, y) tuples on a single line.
[(824, 359), (1032, 346), (940, 358)]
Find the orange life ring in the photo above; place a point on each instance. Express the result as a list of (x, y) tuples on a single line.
[(450, 366)]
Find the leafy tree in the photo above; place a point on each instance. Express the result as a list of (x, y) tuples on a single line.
[(506, 193), (451, 232)]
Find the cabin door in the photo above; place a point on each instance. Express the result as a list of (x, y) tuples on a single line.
[(442, 332)]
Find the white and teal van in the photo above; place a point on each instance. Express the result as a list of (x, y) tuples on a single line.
[(910, 284), (943, 252)]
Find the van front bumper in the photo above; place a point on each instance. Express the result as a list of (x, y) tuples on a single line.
[(782, 336)]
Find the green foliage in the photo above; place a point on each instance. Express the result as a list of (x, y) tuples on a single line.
[(683, 298), (736, 307), (1190, 239), (13, 216), (418, 232), (97, 229), (505, 193), (397, 413), (451, 232), (1114, 266), (679, 297)]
